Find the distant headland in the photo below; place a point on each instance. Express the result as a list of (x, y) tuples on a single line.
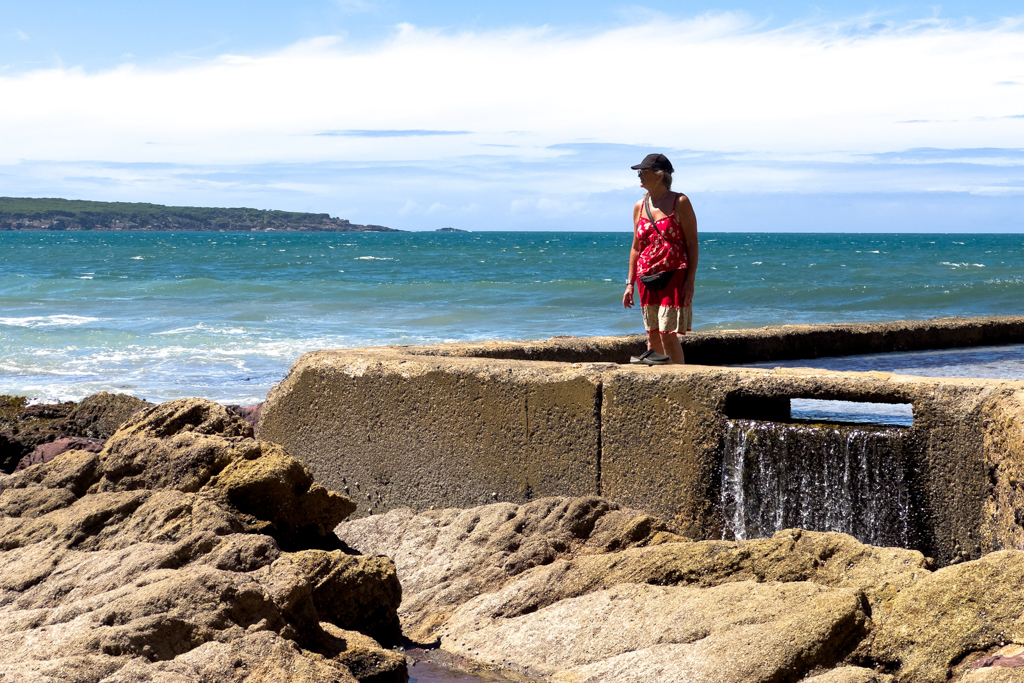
[(72, 214)]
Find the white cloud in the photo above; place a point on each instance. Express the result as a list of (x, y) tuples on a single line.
[(715, 82), (552, 120), (21, 35)]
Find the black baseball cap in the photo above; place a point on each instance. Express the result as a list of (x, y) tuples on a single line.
[(656, 162)]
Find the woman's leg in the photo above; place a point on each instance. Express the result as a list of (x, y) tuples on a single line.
[(654, 341), (667, 344), (673, 347)]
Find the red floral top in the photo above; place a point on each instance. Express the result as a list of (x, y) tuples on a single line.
[(662, 252)]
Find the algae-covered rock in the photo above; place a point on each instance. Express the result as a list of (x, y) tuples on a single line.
[(193, 446), (951, 615), (27, 431), (581, 545), (849, 674), (355, 592), (445, 558), (156, 559), (828, 559), (737, 632), (99, 416), (365, 658)]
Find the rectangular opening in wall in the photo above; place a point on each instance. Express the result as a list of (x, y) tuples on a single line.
[(851, 412), (786, 409)]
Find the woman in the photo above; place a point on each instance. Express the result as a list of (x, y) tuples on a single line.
[(667, 244)]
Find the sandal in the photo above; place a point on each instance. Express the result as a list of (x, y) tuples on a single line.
[(639, 360)]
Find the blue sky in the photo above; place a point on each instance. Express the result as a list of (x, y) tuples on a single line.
[(778, 116)]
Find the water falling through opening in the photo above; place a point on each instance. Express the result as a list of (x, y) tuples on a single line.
[(818, 477)]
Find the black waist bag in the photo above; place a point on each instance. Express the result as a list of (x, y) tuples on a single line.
[(655, 281)]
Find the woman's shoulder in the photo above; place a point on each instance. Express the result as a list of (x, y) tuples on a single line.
[(682, 199)]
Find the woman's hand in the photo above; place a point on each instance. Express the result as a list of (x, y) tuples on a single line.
[(627, 298), (687, 293)]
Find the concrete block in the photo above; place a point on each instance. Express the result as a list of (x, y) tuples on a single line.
[(398, 431), (659, 447), (464, 424)]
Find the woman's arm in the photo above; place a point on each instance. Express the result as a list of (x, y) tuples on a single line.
[(634, 254), (688, 222)]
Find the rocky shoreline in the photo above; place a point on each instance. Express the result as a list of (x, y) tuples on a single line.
[(183, 551), (574, 590), (581, 590), (35, 434), (31, 434), (176, 547)]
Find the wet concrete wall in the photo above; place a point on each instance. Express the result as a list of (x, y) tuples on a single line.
[(433, 426)]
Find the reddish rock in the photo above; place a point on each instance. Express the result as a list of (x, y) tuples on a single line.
[(25, 427), (48, 451), (1000, 662), (1006, 657), (250, 414)]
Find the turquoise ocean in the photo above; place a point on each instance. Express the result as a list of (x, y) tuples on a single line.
[(223, 315)]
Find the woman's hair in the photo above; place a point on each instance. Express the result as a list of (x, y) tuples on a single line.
[(666, 179)]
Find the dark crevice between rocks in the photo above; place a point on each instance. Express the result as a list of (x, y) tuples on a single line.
[(11, 452), (289, 539), (308, 539), (837, 648)]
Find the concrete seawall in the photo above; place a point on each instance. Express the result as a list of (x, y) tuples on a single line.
[(463, 424), (782, 342)]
